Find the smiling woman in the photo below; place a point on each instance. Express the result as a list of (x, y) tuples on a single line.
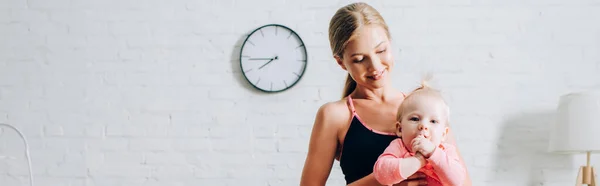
[(358, 128), (273, 58)]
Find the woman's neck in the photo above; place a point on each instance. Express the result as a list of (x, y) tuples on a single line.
[(379, 95)]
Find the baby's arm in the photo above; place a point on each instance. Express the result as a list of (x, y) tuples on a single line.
[(447, 166), (390, 168)]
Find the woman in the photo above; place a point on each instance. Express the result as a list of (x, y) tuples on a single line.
[(356, 129)]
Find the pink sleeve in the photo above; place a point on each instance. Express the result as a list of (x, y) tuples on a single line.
[(447, 166), (387, 167)]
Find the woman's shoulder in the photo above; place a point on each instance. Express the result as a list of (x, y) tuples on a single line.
[(335, 105), (334, 112)]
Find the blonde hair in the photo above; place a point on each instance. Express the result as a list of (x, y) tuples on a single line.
[(342, 25), (424, 88)]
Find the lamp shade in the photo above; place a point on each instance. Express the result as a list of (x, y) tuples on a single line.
[(577, 125)]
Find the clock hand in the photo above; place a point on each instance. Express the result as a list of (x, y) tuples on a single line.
[(268, 62), (265, 64), (260, 59)]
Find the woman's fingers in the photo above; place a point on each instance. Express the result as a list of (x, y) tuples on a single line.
[(417, 179), (415, 183), (418, 175)]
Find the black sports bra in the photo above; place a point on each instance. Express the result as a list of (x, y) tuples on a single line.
[(362, 146)]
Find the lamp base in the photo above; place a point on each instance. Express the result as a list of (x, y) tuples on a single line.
[(587, 176)]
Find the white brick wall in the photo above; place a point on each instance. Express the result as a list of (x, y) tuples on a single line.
[(127, 92)]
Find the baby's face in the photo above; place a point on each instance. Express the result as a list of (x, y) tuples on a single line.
[(423, 115)]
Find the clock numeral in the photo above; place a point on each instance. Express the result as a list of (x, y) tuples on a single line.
[(261, 33), (297, 74), (300, 46), (275, 30), (251, 43), (285, 83), (257, 81), (271, 86), (290, 35), (302, 60), (247, 70), (246, 56)]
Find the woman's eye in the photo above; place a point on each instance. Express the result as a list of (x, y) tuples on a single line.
[(381, 51), (358, 60)]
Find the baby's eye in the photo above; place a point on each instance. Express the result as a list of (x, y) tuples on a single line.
[(434, 121), (414, 119)]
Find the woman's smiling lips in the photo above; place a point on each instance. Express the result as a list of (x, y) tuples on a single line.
[(378, 75)]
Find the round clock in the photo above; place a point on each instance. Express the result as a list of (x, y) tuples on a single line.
[(273, 58)]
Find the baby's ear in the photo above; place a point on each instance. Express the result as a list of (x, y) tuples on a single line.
[(398, 129), (445, 133)]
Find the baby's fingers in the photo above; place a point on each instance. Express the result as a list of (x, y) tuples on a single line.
[(416, 141), (417, 148)]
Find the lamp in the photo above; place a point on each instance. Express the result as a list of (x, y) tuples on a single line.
[(576, 130)]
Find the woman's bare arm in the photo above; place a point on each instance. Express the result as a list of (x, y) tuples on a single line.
[(322, 146)]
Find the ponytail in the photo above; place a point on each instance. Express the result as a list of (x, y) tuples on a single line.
[(349, 86)]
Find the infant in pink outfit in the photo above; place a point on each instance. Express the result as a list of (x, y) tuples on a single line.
[(422, 125)]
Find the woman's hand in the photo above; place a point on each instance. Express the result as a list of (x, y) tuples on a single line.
[(417, 179)]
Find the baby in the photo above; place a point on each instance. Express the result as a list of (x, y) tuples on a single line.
[(422, 125)]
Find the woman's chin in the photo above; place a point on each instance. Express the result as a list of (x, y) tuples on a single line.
[(376, 84), (373, 84)]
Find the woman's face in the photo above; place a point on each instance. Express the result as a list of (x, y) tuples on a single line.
[(368, 58)]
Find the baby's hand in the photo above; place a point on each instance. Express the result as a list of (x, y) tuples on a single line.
[(423, 145)]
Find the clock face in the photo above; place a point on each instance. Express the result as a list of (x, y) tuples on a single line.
[(273, 58)]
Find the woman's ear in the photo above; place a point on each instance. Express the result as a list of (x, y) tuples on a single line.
[(398, 129), (339, 61)]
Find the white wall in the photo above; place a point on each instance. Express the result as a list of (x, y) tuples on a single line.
[(124, 92)]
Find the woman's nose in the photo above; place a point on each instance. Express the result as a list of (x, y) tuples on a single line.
[(376, 65)]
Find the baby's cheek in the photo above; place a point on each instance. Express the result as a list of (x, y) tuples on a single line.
[(436, 141), (436, 138)]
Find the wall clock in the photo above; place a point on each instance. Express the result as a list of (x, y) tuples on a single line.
[(273, 58)]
